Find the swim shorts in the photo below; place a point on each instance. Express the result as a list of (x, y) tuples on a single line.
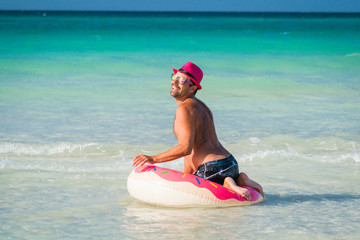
[(218, 170)]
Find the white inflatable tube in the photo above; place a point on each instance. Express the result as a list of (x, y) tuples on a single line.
[(167, 187)]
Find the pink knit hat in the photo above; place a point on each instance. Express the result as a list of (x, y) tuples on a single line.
[(192, 71)]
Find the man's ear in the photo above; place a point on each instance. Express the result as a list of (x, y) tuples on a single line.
[(193, 88)]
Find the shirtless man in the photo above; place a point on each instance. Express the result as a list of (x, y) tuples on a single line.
[(194, 128)]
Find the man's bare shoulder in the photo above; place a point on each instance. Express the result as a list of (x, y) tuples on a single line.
[(188, 107), (196, 105), (191, 102)]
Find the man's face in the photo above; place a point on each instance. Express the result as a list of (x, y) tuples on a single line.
[(179, 87)]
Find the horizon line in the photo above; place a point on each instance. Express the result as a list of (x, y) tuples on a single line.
[(171, 11)]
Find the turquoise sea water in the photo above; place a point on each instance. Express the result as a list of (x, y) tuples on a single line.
[(82, 93)]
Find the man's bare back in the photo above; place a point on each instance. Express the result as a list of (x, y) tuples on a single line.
[(206, 146)]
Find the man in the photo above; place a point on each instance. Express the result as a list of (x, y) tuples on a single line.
[(194, 128)]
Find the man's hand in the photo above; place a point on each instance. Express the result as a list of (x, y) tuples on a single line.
[(142, 159)]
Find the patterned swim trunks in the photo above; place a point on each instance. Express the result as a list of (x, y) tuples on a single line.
[(218, 170)]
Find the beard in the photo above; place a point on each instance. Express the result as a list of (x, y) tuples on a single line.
[(175, 91), (174, 94)]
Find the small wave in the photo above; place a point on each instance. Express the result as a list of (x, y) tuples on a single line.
[(2, 163), (330, 149), (263, 154), (62, 150), (350, 156), (70, 157), (20, 149), (65, 157), (352, 54), (67, 166)]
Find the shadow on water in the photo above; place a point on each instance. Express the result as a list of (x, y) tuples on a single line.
[(279, 199)]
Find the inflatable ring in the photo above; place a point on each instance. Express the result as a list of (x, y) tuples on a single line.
[(167, 187)]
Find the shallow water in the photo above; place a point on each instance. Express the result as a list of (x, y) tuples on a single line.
[(81, 94)]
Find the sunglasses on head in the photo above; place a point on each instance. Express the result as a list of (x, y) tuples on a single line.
[(180, 79)]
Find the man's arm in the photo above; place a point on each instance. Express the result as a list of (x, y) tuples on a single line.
[(185, 132)]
